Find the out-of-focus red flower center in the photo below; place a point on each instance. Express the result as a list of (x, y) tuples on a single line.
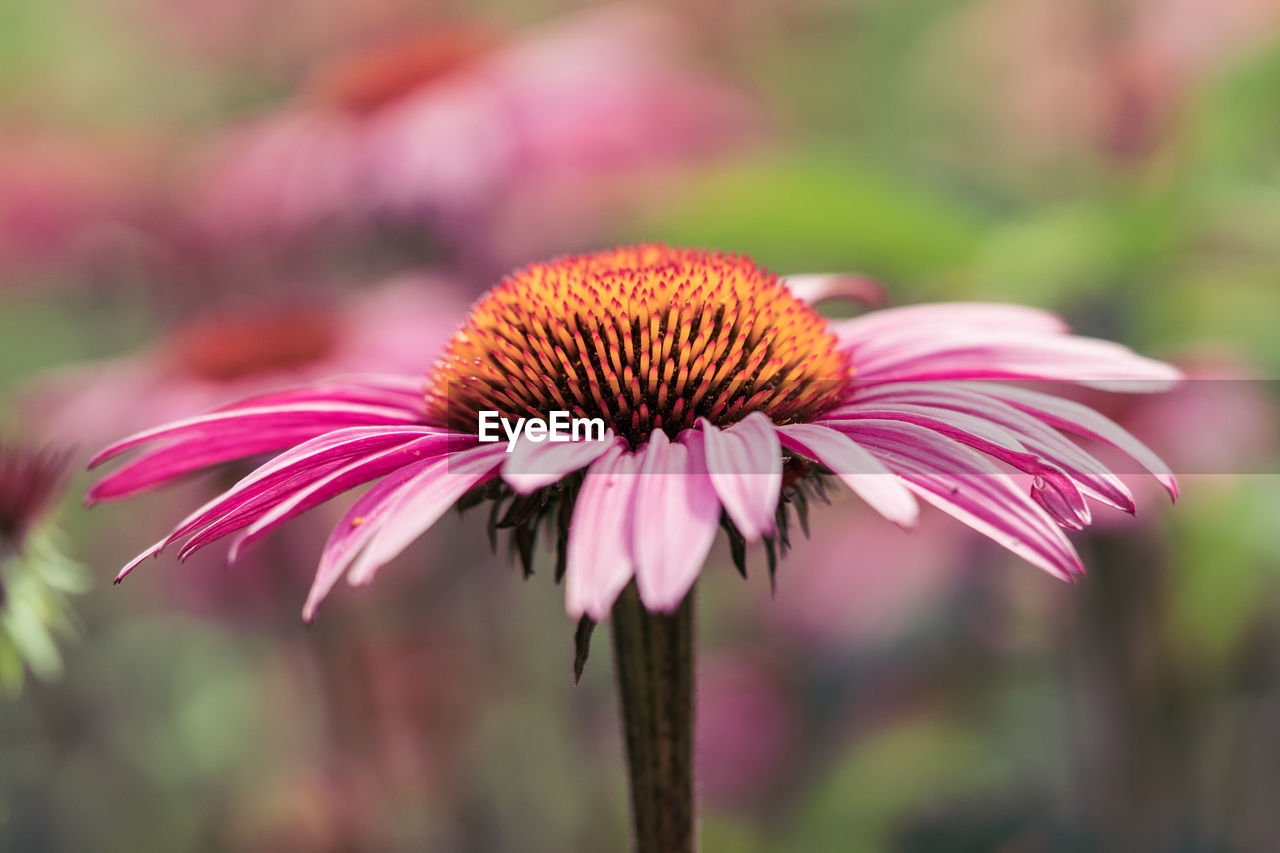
[(368, 81), (644, 337), (229, 347)]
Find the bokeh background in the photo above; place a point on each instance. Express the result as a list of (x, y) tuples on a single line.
[(202, 198)]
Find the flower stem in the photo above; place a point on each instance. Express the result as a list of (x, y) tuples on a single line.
[(653, 660)]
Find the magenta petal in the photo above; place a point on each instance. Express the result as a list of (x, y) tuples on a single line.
[(303, 497), (256, 424), (600, 562), (421, 504), (294, 468), (856, 467), (532, 465), (356, 528), (745, 464), (675, 520)]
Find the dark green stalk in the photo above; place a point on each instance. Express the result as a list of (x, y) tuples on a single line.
[(653, 660)]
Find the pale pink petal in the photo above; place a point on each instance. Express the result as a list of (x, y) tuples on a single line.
[(532, 465), (968, 486), (856, 467), (745, 464), (1079, 419), (356, 528), (418, 507), (980, 434), (944, 317), (600, 562), (1091, 476), (676, 516), (967, 354)]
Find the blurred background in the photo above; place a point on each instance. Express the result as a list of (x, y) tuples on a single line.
[(201, 199)]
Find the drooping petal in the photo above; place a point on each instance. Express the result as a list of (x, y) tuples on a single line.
[(311, 459), (419, 506), (965, 484), (356, 528), (1089, 474), (532, 465), (856, 467), (303, 497), (675, 521), (600, 561), (258, 426), (983, 435), (745, 465), (1077, 418)]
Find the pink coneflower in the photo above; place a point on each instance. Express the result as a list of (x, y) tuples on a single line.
[(34, 575), (452, 128), (224, 355), (60, 200), (728, 395)]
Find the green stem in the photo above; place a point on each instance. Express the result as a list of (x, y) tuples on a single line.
[(653, 660)]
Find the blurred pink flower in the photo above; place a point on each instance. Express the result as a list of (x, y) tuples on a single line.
[(857, 581), (241, 351), (452, 129), (1110, 77), (745, 729), (60, 199)]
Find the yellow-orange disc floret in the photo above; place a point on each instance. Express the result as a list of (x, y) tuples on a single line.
[(644, 337)]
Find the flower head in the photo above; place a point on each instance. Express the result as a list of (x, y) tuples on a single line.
[(221, 356), (727, 401), (35, 577), (456, 129), (29, 480)]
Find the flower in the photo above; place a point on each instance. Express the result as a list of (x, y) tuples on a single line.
[(29, 480), (730, 397), (456, 128), (223, 355), (35, 577), (60, 202)]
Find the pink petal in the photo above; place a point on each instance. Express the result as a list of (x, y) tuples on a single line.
[(982, 435), (260, 422), (917, 320), (856, 467), (532, 465), (968, 486), (421, 504), (977, 354), (745, 464), (599, 561), (1089, 474), (303, 497), (309, 460), (820, 287), (676, 516), (1079, 419), (356, 528)]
